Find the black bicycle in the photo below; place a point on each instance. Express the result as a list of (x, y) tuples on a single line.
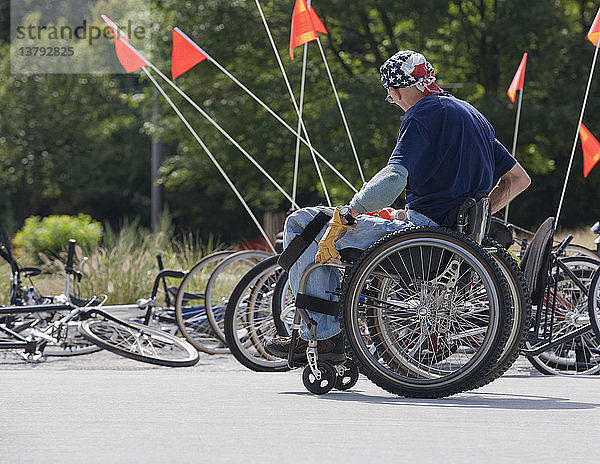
[(562, 338), (22, 329)]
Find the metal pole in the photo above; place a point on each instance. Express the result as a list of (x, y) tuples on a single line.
[(587, 91), (289, 88), (514, 146), (213, 159), (264, 105), (157, 154), (297, 157), (339, 103)]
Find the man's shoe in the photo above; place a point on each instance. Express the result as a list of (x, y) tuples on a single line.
[(280, 347), (331, 349)]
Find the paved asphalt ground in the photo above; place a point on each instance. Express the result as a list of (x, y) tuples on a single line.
[(104, 409)]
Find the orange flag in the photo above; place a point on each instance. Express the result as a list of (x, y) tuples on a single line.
[(518, 80), (186, 54), (129, 57), (591, 149), (594, 31), (305, 26)]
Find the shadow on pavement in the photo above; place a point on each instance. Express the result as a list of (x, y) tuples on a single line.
[(462, 400)]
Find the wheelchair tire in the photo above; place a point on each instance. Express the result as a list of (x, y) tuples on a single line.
[(249, 318), (519, 309), (283, 303), (424, 312), (594, 303), (223, 280), (190, 309)]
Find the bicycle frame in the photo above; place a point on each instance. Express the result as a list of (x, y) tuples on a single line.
[(542, 330)]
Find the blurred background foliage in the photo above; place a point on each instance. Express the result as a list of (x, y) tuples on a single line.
[(74, 144)]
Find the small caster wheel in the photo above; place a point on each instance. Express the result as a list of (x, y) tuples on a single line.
[(350, 376), (325, 384)]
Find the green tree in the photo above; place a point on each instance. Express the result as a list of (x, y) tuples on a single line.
[(81, 143)]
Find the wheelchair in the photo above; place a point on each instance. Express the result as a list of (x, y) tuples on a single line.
[(426, 312), (561, 340)]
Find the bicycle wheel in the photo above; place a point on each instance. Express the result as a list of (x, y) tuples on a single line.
[(139, 342), (594, 303), (424, 313), (190, 308), (578, 356), (70, 342), (249, 318), (574, 250), (223, 280)]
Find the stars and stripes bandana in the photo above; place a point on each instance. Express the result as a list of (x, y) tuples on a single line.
[(407, 68)]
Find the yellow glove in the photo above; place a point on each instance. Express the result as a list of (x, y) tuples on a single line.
[(334, 232)]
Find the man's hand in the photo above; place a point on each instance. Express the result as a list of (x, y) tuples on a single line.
[(334, 232)]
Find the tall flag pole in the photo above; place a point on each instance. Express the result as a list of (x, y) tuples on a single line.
[(224, 132), (187, 54), (516, 84), (297, 157), (305, 28), (591, 149), (293, 98), (131, 60), (213, 159), (594, 37)]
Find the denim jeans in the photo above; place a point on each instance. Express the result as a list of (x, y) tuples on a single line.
[(326, 279)]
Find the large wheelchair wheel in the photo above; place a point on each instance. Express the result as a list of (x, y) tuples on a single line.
[(284, 305), (519, 309), (223, 280), (425, 313), (579, 355), (249, 317), (190, 308)]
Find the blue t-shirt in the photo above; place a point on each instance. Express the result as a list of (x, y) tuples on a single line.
[(451, 153)]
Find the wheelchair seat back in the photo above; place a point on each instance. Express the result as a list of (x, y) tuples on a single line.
[(536, 260)]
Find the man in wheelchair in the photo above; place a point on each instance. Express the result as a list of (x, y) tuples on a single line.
[(446, 152)]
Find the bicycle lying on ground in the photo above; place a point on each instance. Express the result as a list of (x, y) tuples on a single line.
[(44, 321)]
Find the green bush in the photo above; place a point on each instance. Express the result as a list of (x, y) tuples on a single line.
[(51, 234)]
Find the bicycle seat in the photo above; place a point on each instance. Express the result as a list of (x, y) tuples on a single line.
[(31, 271)]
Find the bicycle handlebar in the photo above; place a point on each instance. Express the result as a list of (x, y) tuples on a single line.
[(165, 273), (11, 259), (563, 245), (70, 254)]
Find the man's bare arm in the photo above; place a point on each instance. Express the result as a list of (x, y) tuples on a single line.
[(510, 185)]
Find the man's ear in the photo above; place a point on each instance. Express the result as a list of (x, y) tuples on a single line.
[(396, 92)]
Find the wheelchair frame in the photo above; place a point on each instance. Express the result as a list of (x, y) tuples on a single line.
[(471, 222)]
